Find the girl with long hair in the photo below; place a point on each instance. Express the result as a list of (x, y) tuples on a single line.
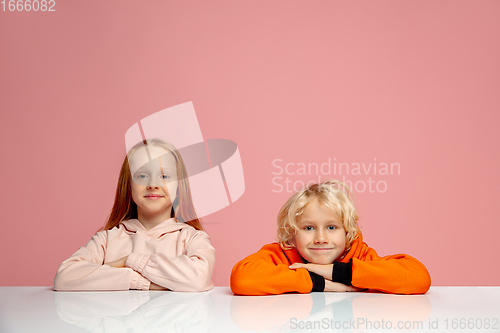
[(153, 238)]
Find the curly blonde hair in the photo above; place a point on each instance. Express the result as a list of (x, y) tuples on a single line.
[(332, 193)]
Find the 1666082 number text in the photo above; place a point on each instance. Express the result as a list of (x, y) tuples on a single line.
[(29, 5)]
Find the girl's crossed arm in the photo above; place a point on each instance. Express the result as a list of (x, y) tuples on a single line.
[(85, 270), (190, 271)]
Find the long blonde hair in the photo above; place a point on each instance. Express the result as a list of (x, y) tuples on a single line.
[(332, 193), (124, 208)]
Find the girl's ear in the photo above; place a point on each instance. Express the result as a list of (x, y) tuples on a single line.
[(176, 201), (175, 206)]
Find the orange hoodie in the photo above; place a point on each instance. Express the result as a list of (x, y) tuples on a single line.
[(266, 272)]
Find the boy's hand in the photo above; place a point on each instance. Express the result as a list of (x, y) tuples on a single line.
[(118, 263), (323, 270), (338, 287)]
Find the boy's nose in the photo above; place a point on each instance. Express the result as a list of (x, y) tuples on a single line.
[(319, 237)]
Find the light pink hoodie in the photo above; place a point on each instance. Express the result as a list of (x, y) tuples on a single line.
[(172, 254)]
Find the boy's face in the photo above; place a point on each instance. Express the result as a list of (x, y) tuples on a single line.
[(321, 236)]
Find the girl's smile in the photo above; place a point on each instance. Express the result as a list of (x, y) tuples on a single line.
[(154, 196)]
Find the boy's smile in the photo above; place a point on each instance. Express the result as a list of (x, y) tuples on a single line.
[(321, 236)]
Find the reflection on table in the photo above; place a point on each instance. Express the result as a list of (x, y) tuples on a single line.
[(136, 311), (449, 309), (333, 312)]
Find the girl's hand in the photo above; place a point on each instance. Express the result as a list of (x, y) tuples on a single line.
[(325, 271), (338, 287), (154, 286), (120, 263)]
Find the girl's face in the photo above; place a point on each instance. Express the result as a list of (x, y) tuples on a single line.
[(321, 236), (154, 182)]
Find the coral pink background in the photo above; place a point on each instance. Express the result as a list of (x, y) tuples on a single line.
[(408, 82)]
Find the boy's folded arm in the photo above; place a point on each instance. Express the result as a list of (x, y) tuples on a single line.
[(263, 278), (265, 273), (191, 271), (399, 273), (85, 270)]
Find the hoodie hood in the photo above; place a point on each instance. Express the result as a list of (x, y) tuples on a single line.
[(134, 226), (358, 249)]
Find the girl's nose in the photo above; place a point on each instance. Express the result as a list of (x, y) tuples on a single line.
[(154, 183), (150, 187)]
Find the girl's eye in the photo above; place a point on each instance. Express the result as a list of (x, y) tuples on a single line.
[(165, 176), (308, 228), (332, 227), (143, 176)]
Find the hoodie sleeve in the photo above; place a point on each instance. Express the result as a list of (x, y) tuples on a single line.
[(190, 271), (85, 270), (266, 272), (399, 273)]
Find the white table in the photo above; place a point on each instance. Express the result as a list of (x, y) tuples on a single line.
[(442, 309)]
